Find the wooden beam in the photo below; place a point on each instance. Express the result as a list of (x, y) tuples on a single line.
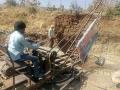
[(20, 79)]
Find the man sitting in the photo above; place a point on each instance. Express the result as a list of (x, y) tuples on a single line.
[(16, 45)]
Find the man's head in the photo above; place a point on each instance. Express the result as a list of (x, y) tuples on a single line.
[(52, 26), (20, 26)]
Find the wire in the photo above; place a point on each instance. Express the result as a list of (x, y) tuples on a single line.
[(79, 31), (64, 39), (76, 48), (74, 33), (78, 34)]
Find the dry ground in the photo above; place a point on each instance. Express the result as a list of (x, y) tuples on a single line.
[(39, 21), (107, 46)]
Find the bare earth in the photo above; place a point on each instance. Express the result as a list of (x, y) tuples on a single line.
[(107, 46), (99, 78)]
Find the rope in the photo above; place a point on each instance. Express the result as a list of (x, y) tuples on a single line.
[(76, 48), (75, 32), (63, 39), (79, 31), (78, 35)]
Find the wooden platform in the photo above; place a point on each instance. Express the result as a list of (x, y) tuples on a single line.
[(20, 79)]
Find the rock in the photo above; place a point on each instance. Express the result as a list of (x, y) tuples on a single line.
[(118, 85), (116, 78), (100, 61)]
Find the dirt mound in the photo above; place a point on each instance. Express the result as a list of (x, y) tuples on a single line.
[(67, 22), (67, 26), (36, 36)]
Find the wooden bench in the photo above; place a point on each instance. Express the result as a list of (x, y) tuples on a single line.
[(9, 60), (17, 79)]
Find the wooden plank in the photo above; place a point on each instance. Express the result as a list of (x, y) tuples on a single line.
[(20, 79), (63, 62), (59, 60)]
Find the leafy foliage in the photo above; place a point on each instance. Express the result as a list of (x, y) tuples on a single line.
[(114, 11), (117, 9)]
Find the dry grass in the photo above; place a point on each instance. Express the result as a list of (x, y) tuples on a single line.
[(110, 29), (39, 21)]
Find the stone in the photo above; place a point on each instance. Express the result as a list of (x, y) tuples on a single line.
[(116, 77)]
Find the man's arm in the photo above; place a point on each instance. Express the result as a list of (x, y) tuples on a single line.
[(27, 44)]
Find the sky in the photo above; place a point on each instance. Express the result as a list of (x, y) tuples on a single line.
[(66, 3), (82, 3)]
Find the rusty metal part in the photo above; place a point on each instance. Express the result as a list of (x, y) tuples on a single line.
[(35, 86), (69, 81)]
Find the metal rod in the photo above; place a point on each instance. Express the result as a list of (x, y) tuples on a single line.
[(79, 32), (80, 29), (76, 48), (69, 81), (44, 49), (76, 32)]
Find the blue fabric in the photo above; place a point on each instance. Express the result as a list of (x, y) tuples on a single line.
[(17, 43), (34, 59)]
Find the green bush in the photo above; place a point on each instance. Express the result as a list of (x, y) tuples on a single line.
[(109, 13), (114, 11), (117, 10)]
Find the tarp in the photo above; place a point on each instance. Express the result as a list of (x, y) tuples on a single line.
[(87, 40)]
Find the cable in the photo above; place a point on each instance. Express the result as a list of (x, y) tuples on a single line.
[(80, 30), (74, 33), (64, 39), (78, 34), (76, 48)]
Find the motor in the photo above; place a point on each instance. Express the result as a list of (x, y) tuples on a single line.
[(53, 56)]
